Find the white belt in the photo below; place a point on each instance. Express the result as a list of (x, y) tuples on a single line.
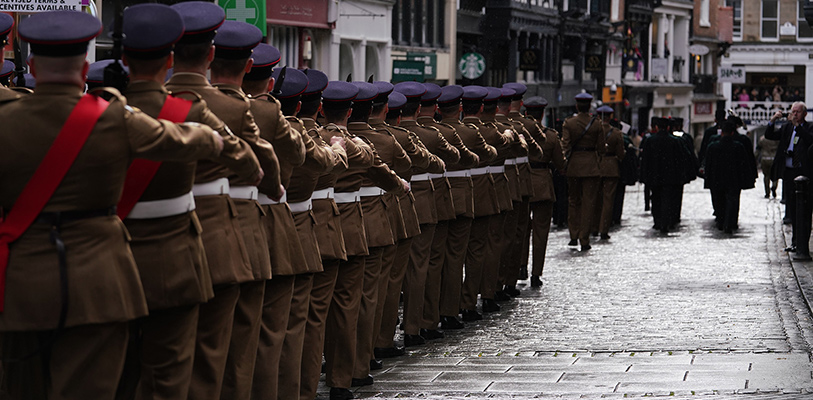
[(458, 174), (301, 206), (346, 197), (217, 186), (479, 171), (322, 194), (510, 161), (163, 208), (436, 176), (494, 170), (371, 191), (522, 160), (420, 177), (244, 192), (265, 200)]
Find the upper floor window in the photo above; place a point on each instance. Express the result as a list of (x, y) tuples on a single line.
[(736, 5), (418, 23), (803, 30), (704, 14), (769, 20)]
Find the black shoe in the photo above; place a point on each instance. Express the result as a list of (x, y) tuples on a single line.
[(767, 195), (413, 340), (340, 394), (573, 243), (594, 234), (801, 257), (450, 323), (646, 207), (388, 352), (586, 247), (786, 221), (605, 236), (523, 273), (431, 334), (728, 231), (489, 305), (511, 291), (773, 193), (366, 381), (376, 365), (535, 281), (471, 315), (790, 249), (501, 296)]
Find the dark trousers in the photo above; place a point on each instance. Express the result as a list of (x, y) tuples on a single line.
[(665, 203), (618, 204), (727, 206), (789, 192)]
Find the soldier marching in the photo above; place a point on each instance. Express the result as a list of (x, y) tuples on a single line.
[(278, 220)]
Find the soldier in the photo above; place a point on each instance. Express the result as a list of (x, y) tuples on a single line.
[(60, 217), (157, 208), (6, 71), (405, 218), (582, 141), (377, 192), (95, 78), (610, 173), (727, 173), (223, 235), (544, 197), (486, 208)]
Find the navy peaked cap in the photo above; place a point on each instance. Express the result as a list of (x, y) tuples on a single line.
[(317, 82), (30, 81), (535, 102), (397, 100), (150, 30), (507, 94), (6, 23), (200, 19), (265, 58), (59, 33), (474, 93), (412, 90), (384, 90), (96, 71), (584, 97), (294, 84), (605, 109), (432, 93), (235, 40), (7, 69), (339, 95), (450, 95), (367, 91), (493, 95), (519, 88)]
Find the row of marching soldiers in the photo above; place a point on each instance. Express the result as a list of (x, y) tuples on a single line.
[(255, 240)]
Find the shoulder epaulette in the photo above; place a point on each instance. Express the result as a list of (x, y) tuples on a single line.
[(23, 90), (187, 95), (109, 94)]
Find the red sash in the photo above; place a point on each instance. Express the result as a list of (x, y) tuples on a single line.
[(42, 185), (141, 171)]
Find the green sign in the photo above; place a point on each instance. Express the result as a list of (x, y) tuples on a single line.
[(431, 61), (472, 65), (408, 70), (249, 11)]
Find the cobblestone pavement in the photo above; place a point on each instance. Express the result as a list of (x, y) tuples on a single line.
[(691, 314)]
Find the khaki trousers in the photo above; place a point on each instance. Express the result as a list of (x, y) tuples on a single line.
[(475, 254), (290, 365), (245, 336), (389, 312), (342, 320), (457, 239), (415, 279), (387, 262), (367, 311), (276, 309), (321, 295), (492, 255), (431, 297), (214, 332), (542, 212), (582, 196)]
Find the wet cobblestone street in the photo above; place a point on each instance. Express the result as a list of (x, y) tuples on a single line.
[(689, 314)]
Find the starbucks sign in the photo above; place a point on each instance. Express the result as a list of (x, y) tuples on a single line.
[(472, 65)]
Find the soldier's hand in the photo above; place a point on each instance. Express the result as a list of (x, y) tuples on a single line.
[(281, 193), (218, 141), (406, 185), (338, 140), (259, 178)]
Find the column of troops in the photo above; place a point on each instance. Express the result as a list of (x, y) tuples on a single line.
[(216, 231)]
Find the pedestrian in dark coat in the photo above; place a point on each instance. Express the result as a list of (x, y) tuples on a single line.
[(726, 175), (662, 169)]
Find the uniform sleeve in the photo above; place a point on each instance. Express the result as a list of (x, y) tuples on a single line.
[(556, 152), (265, 154), (619, 150), (358, 156), (401, 162), (415, 149), (534, 148), (381, 174), (165, 141), (319, 157), (287, 140), (467, 158), (485, 151), (444, 150), (236, 154)]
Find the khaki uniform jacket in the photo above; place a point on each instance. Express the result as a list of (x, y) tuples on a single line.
[(534, 150), (467, 158), (438, 146), (611, 161), (394, 159), (464, 198), (405, 221), (583, 148), (424, 190), (553, 157), (494, 136), (103, 284)]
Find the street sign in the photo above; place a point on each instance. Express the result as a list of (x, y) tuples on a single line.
[(38, 6), (731, 74), (472, 65), (529, 59), (407, 70), (431, 61), (660, 66), (593, 63), (249, 11)]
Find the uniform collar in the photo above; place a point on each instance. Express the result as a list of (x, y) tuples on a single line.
[(145, 86), (188, 79), (58, 89)]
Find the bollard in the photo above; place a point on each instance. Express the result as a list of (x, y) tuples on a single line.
[(802, 224)]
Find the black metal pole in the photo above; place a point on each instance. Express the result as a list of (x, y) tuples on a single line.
[(802, 224)]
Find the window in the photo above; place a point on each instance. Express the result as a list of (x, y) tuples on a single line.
[(769, 21), (803, 30), (736, 5), (704, 13), (418, 23)]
